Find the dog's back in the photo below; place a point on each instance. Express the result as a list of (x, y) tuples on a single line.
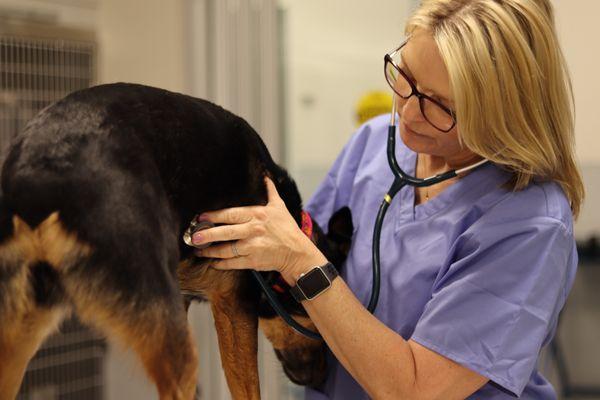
[(74, 152)]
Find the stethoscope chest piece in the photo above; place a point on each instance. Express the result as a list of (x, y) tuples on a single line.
[(194, 227)]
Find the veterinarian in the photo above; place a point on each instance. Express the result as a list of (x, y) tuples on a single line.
[(476, 269)]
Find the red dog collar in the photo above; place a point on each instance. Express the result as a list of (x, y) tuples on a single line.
[(281, 286), (307, 225)]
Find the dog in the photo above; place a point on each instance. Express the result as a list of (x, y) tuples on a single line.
[(96, 193)]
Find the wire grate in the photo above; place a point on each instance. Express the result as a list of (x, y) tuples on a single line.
[(37, 72)]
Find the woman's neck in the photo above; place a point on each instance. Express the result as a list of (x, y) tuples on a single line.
[(432, 165), (428, 165)]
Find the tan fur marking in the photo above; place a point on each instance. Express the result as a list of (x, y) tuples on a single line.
[(170, 362), (206, 281), (19, 341), (237, 333), (283, 337), (17, 298), (24, 326), (49, 242)]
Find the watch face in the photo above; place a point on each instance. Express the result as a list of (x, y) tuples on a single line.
[(313, 283)]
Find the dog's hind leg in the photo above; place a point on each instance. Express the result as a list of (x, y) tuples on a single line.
[(236, 321), (19, 341), (237, 331)]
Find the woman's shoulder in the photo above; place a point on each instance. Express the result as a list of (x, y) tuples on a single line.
[(523, 229), (370, 139), (372, 131), (539, 202)]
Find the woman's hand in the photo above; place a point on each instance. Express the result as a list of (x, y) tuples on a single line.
[(266, 238)]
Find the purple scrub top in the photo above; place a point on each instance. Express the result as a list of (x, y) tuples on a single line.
[(477, 274)]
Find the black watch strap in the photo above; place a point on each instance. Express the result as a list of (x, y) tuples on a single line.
[(314, 282)]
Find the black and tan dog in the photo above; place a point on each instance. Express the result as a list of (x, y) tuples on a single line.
[(97, 191)]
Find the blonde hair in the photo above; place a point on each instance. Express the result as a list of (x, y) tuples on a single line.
[(512, 91)]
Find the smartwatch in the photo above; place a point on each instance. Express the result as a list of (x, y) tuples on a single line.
[(314, 282)]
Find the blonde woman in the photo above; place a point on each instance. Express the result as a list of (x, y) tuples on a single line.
[(474, 270)]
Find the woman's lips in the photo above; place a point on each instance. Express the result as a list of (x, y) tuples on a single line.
[(407, 129)]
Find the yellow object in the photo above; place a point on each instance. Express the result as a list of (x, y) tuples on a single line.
[(373, 104)]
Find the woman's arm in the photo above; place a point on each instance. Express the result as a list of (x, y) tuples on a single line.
[(383, 363)]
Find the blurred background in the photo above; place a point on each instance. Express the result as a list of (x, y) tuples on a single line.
[(304, 74)]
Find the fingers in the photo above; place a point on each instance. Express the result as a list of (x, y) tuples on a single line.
[(223, 233), (272, 194), (232, 263), (223, 257), (234, 215), (233, 249)]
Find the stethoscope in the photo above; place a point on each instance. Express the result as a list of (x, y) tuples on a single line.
[(401, 179)]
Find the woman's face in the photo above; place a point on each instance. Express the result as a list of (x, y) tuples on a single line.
[(423, 63)]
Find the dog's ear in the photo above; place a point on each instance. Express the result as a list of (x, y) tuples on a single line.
[(340, 230)]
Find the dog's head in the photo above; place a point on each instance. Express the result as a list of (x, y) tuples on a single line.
[(303, 359)]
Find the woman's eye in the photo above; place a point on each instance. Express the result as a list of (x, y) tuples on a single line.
[(440, 100), (406, 71)]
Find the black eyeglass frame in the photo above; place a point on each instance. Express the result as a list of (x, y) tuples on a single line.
[(388, 59)]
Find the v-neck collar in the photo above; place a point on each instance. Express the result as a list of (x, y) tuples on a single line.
[(478, 179)]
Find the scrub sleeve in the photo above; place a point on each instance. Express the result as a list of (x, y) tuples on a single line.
[(491, 310)]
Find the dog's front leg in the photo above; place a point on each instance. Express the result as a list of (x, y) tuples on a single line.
[(237, 330)]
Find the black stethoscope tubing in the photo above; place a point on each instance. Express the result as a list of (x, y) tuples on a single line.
[(401, 179)]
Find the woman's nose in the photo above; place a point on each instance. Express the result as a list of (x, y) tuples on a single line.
[(410, 109)]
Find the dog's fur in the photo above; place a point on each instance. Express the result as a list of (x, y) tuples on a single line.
[(96, 193)]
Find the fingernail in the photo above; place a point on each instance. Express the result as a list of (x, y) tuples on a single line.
[(197, 238), (202, 217), (198, 252)]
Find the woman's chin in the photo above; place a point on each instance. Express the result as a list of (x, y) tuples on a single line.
[(416, 142)]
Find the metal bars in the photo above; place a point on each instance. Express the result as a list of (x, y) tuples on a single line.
[(35, 73)]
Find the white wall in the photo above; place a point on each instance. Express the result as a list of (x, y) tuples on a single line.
[(579, 31), (334, 54), (142, 41)]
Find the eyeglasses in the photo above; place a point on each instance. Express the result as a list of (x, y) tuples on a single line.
[(437, 114)]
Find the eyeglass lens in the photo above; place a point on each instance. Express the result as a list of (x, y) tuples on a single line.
[(433, 112)]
